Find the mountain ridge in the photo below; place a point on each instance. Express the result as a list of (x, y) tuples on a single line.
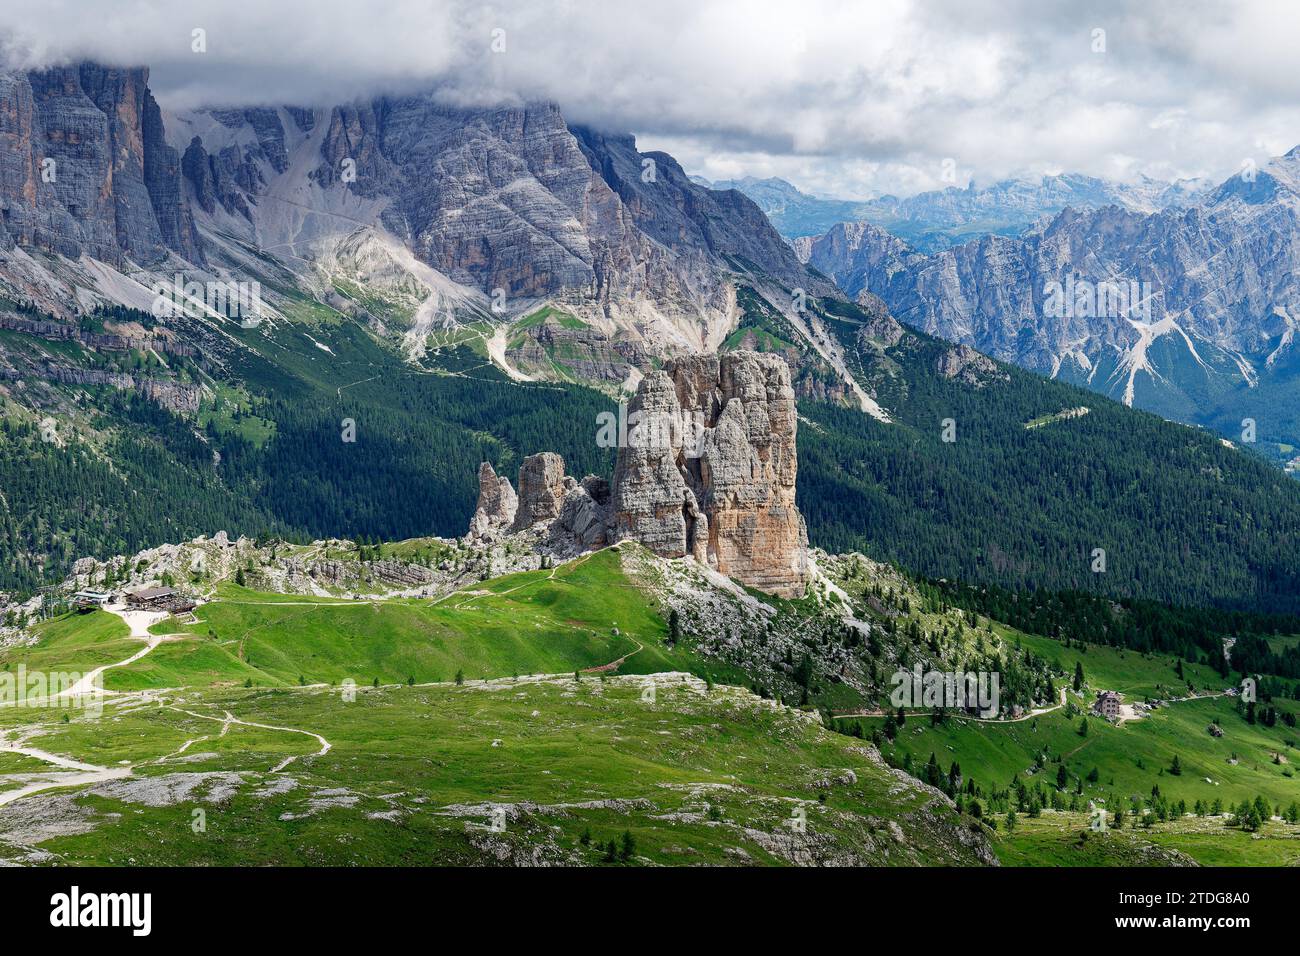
[(1207, 337), (934, 220)]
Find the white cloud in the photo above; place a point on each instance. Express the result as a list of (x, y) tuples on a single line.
[(844, 98)]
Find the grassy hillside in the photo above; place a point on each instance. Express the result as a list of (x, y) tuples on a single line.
[(1131, 758), (413, 776), (1065, 839), (72, 642), (515, 769), (1051, 759), (581, 615), (232, 712)]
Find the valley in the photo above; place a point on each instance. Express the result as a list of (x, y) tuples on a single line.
[(419, 476), (518, 755), (534, 717)]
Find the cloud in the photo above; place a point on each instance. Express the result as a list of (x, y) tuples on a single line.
[(845, 98)]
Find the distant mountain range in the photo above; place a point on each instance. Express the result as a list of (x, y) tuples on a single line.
[(431, 284), (1189, 312), (936, 220)]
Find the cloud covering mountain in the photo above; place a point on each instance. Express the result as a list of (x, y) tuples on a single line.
[(840, 98)]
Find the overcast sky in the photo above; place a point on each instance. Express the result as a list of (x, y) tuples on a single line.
[(848, 98)]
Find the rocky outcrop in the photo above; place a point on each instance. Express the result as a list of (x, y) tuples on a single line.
[(542, 489), (564, 516), (109, 341), (584, 515), (514, 199), (173, 396), (497, 504), (214, 179), (584, 352), (710, 469), (707, 471), (965, 364), (85, 167), (652, 502)]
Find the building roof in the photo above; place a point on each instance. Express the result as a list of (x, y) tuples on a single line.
[(149, 594)]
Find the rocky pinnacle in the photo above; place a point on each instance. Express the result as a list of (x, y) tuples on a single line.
[(708, 472)]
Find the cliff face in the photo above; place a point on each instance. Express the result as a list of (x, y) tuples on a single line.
[(708, 471), (85, 168), (1185, 311), (437, 212), (497, 504), (495, 198)]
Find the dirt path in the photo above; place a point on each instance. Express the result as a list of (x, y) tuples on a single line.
[(615, 665), (81, 773), (55, 780), (139, 623), (230, 718)]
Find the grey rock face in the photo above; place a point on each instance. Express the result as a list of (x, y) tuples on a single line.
[(216, 179), (516, 199), (1214, 283), (543, 487), (652, 503), (708, 472), (584, 515), (112, 189), (710, 469), (964, 363), (497, 504), (589, 354), (936, 220), (564, 515)]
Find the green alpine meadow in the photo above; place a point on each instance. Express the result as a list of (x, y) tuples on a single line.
[(837, 451)]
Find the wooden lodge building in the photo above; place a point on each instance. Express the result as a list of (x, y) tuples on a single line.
[(160, 599)]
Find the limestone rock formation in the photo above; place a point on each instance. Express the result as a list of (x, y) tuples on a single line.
[(709, 469), (86, 169), (565, 516), (964, 363), (583, 523), (542, 489), (497, 504)]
